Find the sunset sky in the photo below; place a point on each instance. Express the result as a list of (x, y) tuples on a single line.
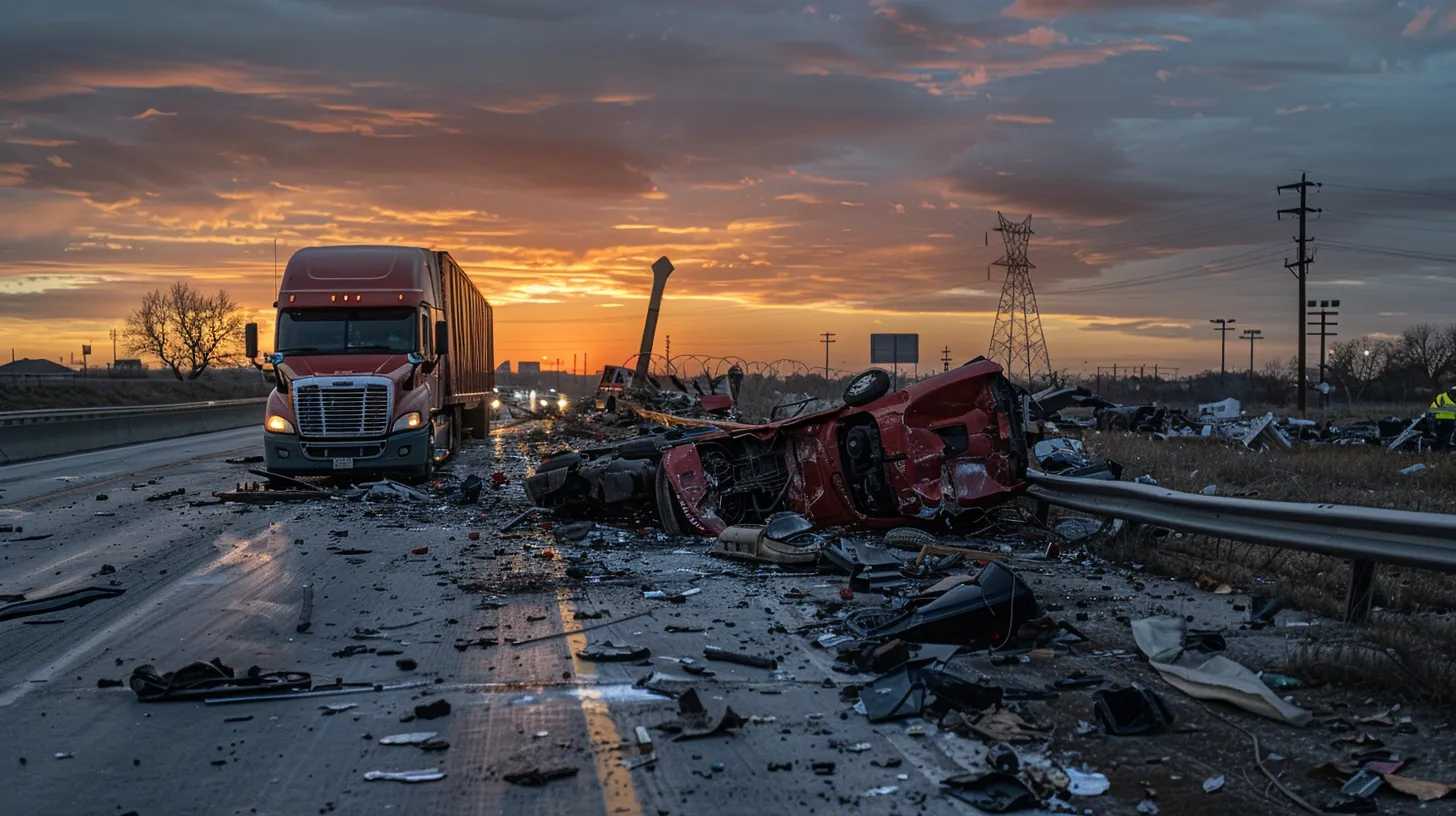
[(831, 166)]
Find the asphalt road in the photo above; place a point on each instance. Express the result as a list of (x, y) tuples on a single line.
[(230, 581), (27, 481)]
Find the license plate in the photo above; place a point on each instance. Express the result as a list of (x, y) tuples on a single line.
[(343, 464)]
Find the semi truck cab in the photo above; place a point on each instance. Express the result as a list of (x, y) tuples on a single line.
[(382, 361)]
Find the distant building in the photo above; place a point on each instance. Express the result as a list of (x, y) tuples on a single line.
[(527, 369), (128, 370), (27, 367), (503, 368)]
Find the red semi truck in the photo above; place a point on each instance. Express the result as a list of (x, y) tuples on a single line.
[(383, 358)]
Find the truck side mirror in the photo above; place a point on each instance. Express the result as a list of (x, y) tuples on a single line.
[(442, 337), (250, 341)]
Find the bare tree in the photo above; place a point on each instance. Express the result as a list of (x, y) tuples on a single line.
[(1358, 362), (1429, 351), (187, 330)]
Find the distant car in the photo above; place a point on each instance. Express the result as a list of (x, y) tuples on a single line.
[(932, 455)]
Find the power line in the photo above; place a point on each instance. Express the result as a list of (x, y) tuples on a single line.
[(1183, 274), (1393, 191), (1401, 217), (1339, 246), (1176, 234), (1176, 274), (1343, 220), (1166, 216)]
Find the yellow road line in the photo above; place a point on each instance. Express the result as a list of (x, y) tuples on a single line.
[(618, 793)]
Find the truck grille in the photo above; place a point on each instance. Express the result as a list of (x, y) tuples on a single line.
[(353, 410)]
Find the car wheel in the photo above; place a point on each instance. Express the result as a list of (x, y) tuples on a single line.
[(866, 387)]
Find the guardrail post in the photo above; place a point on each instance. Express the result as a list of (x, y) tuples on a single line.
[(1361, 594), (1043, 512)]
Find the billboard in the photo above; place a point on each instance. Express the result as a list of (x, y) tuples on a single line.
[(893, 349)]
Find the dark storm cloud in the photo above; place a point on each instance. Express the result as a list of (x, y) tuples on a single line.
[(1061, 173)]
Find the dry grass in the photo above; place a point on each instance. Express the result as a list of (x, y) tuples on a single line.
[(1412, 656), (1362, 475), (1410, 644)]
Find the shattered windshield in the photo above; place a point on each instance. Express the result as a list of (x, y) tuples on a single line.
[(346, 331)]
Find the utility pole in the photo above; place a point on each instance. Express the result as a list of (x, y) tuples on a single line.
[(945, 358), (667, 353), (113, 348), (1223, 330), (558, 373), (826, 341), (1251, 335), (1302, 264), (1324, 312), (573, 365)]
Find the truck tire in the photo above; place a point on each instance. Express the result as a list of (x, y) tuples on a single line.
[(457, 430), (426, 472), (866, 387)]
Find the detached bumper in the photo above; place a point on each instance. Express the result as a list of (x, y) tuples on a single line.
[(290, 455)]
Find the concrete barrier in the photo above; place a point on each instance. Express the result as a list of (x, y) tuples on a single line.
[(26, 435)]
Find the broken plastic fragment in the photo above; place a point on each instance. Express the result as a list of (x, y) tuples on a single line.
[(425, 775), (1212, 784), (535, 777), (610, 651), (1087, 784), (412, 738)]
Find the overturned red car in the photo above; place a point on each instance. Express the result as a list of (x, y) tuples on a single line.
[(934, 454)]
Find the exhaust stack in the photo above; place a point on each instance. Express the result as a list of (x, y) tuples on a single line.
[(660, 270)]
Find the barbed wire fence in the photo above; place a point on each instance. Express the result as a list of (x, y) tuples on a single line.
[(766, 384)]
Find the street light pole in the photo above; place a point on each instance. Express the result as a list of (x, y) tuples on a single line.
[(1326, 310), (1223, 330), (1251, 335)]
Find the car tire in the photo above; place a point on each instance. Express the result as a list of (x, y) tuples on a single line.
[(674, 523), (909, 538), (866, 387)]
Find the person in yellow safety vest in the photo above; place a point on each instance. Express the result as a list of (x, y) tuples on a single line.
[(1443, 419)]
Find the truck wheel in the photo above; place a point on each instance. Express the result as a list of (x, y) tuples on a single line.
[(426, 472), (866, 387)]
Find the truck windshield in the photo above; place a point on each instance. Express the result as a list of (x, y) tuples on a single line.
[(346, 331)]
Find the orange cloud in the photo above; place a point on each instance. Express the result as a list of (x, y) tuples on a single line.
[(1040, 37), (621, 98), (227, 77), (1021, 119), (1419, 22)]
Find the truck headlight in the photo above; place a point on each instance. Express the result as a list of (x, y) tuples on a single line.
[(495, 405), (408, 421), (278, 424), (561, 403)]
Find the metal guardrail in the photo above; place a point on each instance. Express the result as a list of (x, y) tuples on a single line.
[(1365, 536), (70, 414)]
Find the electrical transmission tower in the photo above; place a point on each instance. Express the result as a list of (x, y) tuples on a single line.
[(1017, 342)]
